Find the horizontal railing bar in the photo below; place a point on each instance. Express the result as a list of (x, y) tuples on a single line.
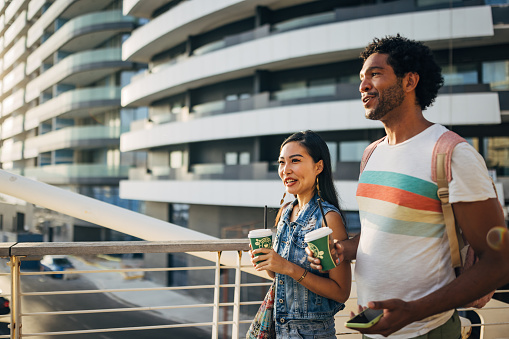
[(122, 247), (120, 270), (118, 329), (194, 287), (114, 310), (487, 324)]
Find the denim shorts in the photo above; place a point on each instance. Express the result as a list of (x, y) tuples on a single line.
[(306, 329)]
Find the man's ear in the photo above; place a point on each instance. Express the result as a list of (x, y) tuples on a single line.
[(410, 81)]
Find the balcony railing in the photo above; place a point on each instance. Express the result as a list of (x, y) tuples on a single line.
[(228, 308)]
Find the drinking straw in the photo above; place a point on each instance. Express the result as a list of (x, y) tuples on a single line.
[(265, 217)]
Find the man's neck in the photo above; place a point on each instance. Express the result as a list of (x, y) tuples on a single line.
[(405, 126)]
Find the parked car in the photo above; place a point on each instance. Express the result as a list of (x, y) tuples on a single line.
[(4, 305), (58, 263)]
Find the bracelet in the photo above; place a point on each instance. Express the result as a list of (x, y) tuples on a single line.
[(303, 275)]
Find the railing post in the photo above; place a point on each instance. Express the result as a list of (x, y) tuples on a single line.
[(15, 304), (217, 283), (236, 299)]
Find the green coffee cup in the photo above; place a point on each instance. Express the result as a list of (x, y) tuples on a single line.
[(318, 243), (261, 238)]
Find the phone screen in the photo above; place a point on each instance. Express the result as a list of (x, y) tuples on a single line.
[(367, 315), (366, 318)]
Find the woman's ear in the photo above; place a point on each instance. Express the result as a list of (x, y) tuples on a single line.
[(319, 167)]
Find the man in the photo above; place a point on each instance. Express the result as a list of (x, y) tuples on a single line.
[(403, 263)]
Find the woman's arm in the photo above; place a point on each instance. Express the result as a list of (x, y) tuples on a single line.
[(337, 285)]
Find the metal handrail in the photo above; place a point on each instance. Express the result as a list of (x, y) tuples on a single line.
[(16, 251)]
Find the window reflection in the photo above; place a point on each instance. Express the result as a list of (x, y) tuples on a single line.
[(496, 74)]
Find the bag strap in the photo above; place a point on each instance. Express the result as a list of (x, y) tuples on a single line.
[(442, 175), (321, 210), (368, 151)]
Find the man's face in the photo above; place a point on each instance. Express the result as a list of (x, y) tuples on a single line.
[(381, 90)]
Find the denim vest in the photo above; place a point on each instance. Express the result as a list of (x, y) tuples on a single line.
[(292, 300)]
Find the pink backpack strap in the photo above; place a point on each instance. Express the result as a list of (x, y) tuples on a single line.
[(368, 151), (444, 145), (441, 174)]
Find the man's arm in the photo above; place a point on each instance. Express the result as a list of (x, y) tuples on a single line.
[(490, 272)]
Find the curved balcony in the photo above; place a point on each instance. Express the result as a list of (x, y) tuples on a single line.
[(222, 192), (142, 9), (14, 78), (13, 102), (36, 31), (190, 17), (327, 116), (299, 48), (75, 103), (77, 173), (34, 7), (13, 7), (80, 69), (16, 53), (12, 126), (11, 151), (18, 27), (81, 33), (72, 137)]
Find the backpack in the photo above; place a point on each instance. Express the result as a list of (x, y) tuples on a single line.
[(462, 255)]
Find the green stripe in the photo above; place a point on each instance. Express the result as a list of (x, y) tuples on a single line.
[(394, 226), (400, 181)]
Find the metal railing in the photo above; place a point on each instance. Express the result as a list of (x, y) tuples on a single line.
[(225, 313)]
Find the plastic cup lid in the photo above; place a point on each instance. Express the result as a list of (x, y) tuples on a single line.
[(317, 234), (260, 233)]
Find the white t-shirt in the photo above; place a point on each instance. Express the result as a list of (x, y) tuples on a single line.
[(403, 250)]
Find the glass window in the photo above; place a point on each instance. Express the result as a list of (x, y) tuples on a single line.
[(179, 214), (310, 20), (244, 158), (496, 74), (176, 159), (496, 154), (460, 74), (333, 150), (352, 150), (231, 158), (322, 87)]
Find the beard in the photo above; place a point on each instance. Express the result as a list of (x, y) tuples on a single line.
[(388, 99)]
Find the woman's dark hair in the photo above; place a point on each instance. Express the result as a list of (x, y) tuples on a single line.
[(406, 56), (318, 150)]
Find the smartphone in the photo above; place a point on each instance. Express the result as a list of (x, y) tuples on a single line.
[(365, 319)]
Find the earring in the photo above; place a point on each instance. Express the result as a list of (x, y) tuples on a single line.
[(283, 199), (318, 189)]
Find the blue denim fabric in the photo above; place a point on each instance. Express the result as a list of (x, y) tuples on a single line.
[(292, 300), (306, 329)]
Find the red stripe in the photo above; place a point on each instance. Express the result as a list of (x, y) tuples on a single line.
[(399, 197)]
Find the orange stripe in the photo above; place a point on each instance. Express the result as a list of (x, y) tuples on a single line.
[(399, 197)]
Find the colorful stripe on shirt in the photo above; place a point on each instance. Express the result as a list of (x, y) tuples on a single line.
[(400, 204)]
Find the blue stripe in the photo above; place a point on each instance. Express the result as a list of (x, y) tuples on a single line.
[(394, 226)]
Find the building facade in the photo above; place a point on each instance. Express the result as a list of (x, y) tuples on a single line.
[(61, 75), (228, 80)]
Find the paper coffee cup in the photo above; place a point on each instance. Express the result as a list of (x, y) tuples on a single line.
[(261, 238), (318, 242)]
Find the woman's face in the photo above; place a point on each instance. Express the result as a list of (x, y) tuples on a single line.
[(297, 169)]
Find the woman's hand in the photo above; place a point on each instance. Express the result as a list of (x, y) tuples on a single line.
[(269, 260)]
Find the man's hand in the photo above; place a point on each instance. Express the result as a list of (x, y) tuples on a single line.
[(397, 314), (336, 251)]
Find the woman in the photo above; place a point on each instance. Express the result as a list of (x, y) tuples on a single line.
[(306, 300)]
